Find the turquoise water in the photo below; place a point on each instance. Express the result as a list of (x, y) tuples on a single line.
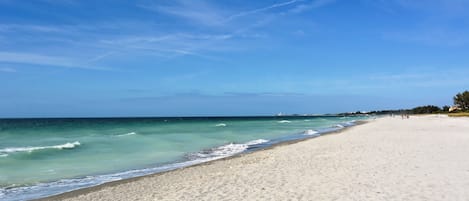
[(40, 157)]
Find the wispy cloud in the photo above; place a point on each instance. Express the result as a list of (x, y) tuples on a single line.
[(62, 2), (310, 5), (37, 59), (442, 7), (208, 14), (102, 56), (29, 27), (82, 45), (225, 21), (198, 11), (171, 38), (426, 77), (430, 36), (170, 45), (439, 22), (263, 9), (195, 94), (7, 70), (269, 94)]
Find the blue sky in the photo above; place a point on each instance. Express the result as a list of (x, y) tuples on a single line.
[(207, 57)]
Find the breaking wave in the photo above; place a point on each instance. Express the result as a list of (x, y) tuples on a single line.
[(346, 124), (63, 185), (226, 150), (310, 132), (69, 145), (127, 134)]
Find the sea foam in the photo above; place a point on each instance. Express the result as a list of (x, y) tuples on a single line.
[(127, 134), (68, 145), (220, 125), (340, 126), (28, 191), (226, 150), (346, 124), (256, 142), (310, 132), (50, 188)]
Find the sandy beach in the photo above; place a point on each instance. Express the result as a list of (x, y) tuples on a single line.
[(421, 158)]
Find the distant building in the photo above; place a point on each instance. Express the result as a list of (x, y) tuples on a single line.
[(454, 108)]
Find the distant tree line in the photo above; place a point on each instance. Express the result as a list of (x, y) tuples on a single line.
[(429, 109), (460, 100)]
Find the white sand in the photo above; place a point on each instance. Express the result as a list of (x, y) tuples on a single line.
[(422, 158)]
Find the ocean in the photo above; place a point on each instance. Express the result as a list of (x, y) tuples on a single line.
[(43, 157)]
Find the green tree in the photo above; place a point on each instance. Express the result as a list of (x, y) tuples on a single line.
[(462, 100), (428, 109), (445, 108)]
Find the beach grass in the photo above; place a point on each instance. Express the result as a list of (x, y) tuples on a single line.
[(460, 114)]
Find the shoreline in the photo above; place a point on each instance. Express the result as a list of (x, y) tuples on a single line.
[(421, 158), (81, 191)]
